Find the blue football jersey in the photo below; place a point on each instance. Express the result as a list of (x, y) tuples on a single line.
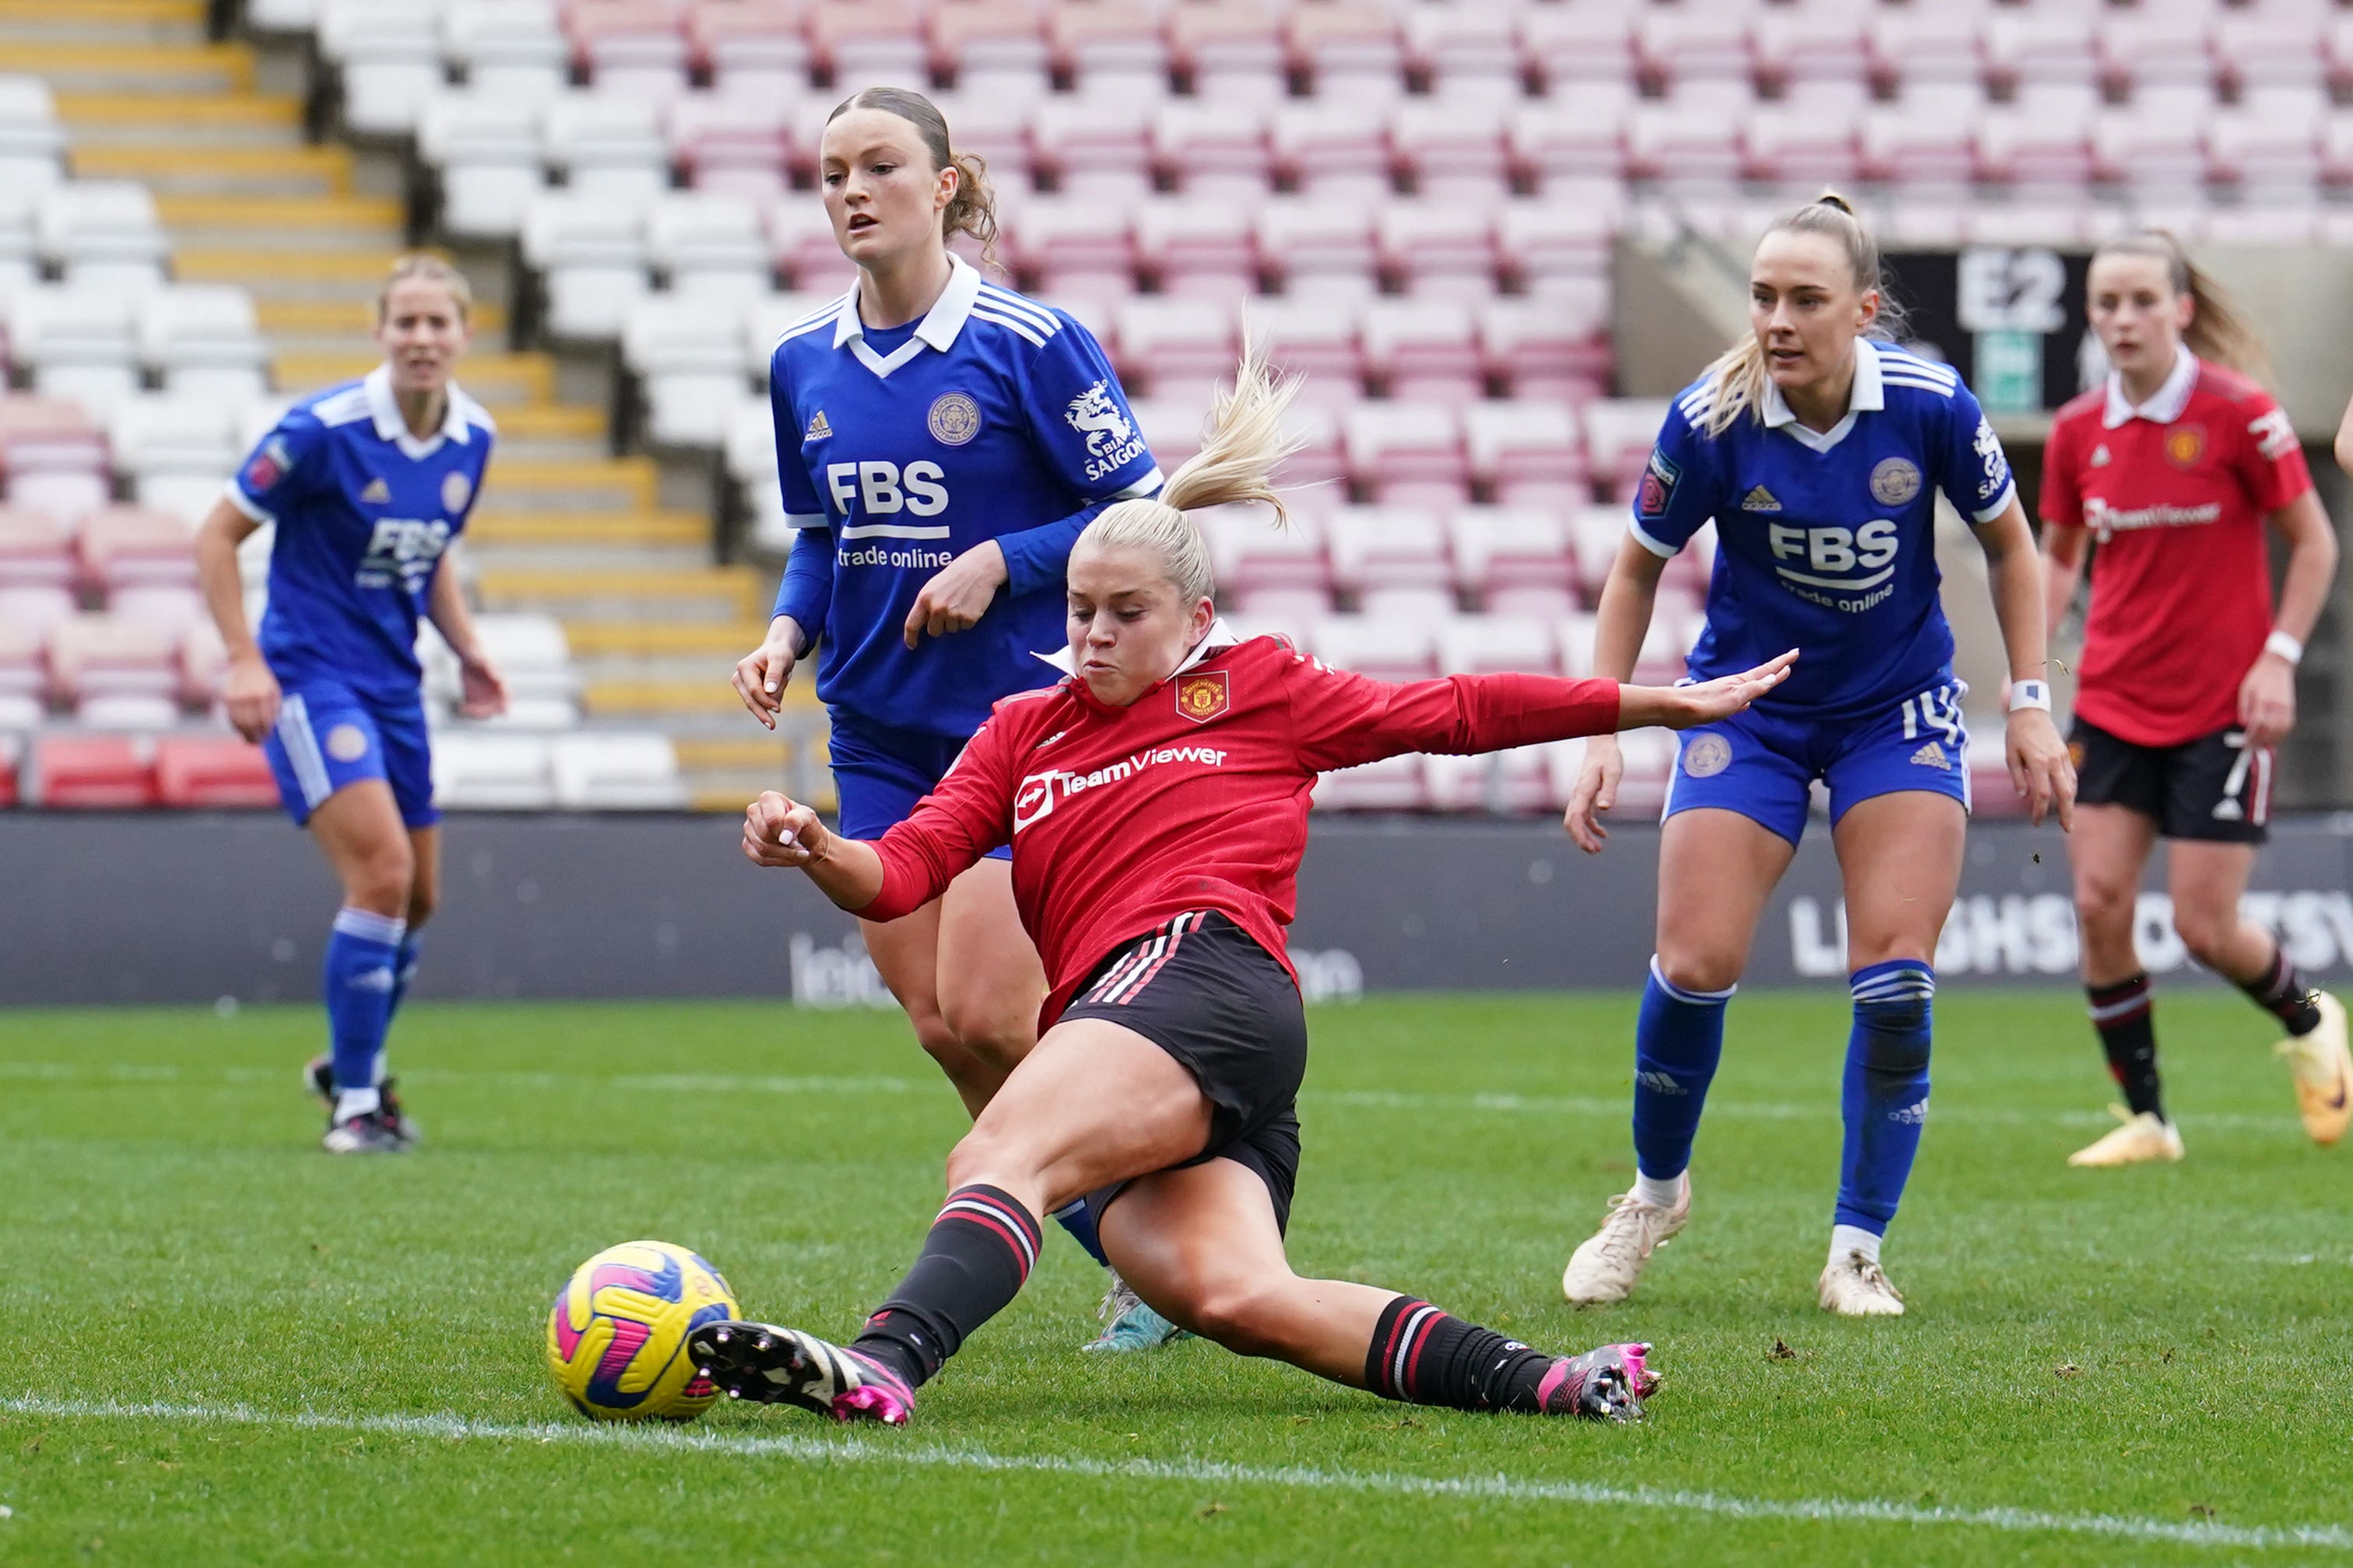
[(995, 417), (364, 512), (1825, 539)]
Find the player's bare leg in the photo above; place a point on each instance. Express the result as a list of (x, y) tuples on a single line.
[(1716, 870), (1900, 858), (906, 953), (2208, 882), (359, 829), (2109, 849)]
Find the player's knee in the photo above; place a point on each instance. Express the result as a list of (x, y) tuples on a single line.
[(1248, 1317), (1699, 969), (2206, 933), (383, 880), (987, 1154), (2103, 902), (1892, 1003), (987, 1029)]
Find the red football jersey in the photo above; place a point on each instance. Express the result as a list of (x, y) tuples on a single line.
[(2181, 588), (1193, 797)]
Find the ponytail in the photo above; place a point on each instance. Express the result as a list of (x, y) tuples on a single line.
[(972, 209), (1244, 442), (1737, 378), (2219, 331)]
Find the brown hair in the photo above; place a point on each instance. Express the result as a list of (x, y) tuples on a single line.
[(2219, 329), (1737, 378), (972, 209), (431, 268)]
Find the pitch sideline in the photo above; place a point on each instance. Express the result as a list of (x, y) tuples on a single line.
[(1501, 1488)]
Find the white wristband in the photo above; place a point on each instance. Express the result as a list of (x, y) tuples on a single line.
[(2030, 694), (2287, 647)]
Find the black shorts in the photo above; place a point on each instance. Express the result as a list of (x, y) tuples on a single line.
[(1202, 990), (2215, 788)]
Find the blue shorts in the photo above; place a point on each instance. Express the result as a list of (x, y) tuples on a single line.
[(1764, 765), (880, 773), (329, 735)]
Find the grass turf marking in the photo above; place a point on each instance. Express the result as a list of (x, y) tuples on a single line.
[(929, 1456)]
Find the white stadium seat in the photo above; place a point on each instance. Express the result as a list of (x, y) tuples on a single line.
[(482, 770), (599, 771)]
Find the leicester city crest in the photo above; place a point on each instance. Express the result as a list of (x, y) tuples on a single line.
[(1896, 481), (955, 419), (1706, 755)]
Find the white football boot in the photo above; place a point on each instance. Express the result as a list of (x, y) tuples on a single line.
[(1606, 1267), (2140, 1139), (2324, 1072), (1856, 1286)]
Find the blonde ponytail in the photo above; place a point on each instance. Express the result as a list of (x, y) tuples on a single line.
[(1244, 443), (1737, 378), (2219, 331)]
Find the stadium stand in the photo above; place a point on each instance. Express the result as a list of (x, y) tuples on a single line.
[(1415, 202)]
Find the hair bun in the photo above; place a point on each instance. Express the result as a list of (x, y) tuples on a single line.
[(1833, 199)]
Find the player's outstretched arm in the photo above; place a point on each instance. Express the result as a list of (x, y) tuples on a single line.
[(785, 832), (1703, 702), (251, 691)]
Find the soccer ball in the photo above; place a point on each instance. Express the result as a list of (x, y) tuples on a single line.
[(616, 1335)]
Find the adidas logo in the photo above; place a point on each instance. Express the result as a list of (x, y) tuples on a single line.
[(1914, 1115), (2100, 456), (1759, 500), (377, 493), (819, 429), (1931, 755), (1659, 1082)]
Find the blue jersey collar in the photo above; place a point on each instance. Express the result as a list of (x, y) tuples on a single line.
[(937, 329), (1868, 396), (389, 425)]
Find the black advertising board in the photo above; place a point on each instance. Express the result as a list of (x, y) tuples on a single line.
[(2009, 318)]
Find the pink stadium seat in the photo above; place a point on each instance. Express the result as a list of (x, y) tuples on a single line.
[(1620, 434), (1317, 472), (33, 610), (868, 40), (101, 773), (1574, 46), (1231, 51), (1423, 349), (1804, 47), (1290, 611), (1393, 784), (1452, 147), (1595, 534), (1348, 40), (36, 550), (1804, 143), (12, 751), (1213, 148), (2157, 51), (1465, 51), (1319, 248), (2258, 51), (1252, 556), (1554, 345), (1527, 453), (1561, 240), (1497, 645), (800, 237), (2042, 139), (2043, 47), (105, 655), (1314, 340), (128, 546), (1380, 547), (2148, 147), (1406, 452), (990, 37), (1437, 246), (2271, 140), (1929, 142), (1095, 147), (1115, 37), (1200, 248), (1383, 649), (1512, 782), (750, 43), (1058, 238), (1686, 45), (1166, 344), (634, 46), (52, 457), (730, 135), (1916, 44), (22, 673), (1338, 150), (1693, 141), (213, 772), (1508, 557), (1573, 140)]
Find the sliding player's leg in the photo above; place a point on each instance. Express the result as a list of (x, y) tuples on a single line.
[(1900, 856), (1205, 1244), (1093, 1105)]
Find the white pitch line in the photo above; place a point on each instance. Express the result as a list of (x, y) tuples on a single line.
[(1208, 1472)]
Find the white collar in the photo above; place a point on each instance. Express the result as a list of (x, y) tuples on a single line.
[(937, 329), (1867, 395), (1221, 637), (391, 425), (2165, 406)]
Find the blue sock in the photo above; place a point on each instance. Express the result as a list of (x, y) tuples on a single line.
[(404, 969), (1885, 1099), (363, 955), (1678, 1039), (1074, 1217)]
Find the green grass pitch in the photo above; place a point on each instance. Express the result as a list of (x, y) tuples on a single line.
[(221, 1346)]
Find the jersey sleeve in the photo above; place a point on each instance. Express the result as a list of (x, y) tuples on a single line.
[(285, 466), (2063, 489), (807, 592), (1677, 495), (2269, 458), (802, 507), (968, 814), (1340, 718), (1975, 471), (1082, 428)]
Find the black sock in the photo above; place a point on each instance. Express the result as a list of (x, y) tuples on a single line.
[(2123, 1015), (1421, 1355), (974, 1262), (2282, 992)]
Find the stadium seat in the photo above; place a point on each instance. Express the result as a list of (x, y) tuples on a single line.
[(36, 550), (1491, 645), (632, 48), (12, 755), (530, 654), (1231, 52), (1453, 148), (485, 149), (1336, 150), (1097, 149), (689, 361), (1437, 248), (609, 147), (101, 655), (2043, 45), (78, 343), (1911, 44), (1323, 250), (1555, 346), (1619, 435), (595, 771), (388, 60), (1423, 349), (1350, 49), (211, 772), (23, 676), (174, 451), (1174, 347), (1576, 48), (868, 41), (204, 341), (1249, 555), (1374, 548), (510, 50), (97, 773), (1527, 453), (755, 47), (1510, 782), (1213, 148), (102, 234), (1110, 48), (127, 546), (1803, 142), (733, 142), (995, 51), (1406, 452), (479, 771), (1199, 248), (1393, 784), (1514, 560), (1062, 239), (1317, 340), (1316, 474), (1467, 54), (589, 254)]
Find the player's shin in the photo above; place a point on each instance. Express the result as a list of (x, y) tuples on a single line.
[(975, 1261), (363, 955), (1886, 1100), (404, 969), (1424, 1356), (1678, 1041)]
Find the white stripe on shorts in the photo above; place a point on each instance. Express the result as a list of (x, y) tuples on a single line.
[(302, 751)]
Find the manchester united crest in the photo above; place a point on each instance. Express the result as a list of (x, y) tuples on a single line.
[(2184, 445), (1202, 698)]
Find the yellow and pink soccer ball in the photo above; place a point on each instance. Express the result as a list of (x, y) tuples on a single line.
[(616, 1335)]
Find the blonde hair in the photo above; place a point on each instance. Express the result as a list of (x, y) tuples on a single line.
[(1737, 378), (2219, 329), (1243, 442), (427, 267), (972, 209)]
